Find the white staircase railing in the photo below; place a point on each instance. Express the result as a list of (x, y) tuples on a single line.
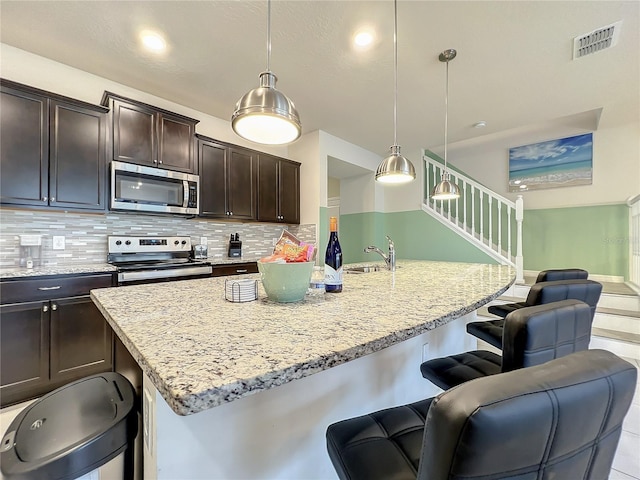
[(489, 221), (634, 241)]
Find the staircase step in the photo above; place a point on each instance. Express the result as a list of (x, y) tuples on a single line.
[(621, 343), (626, 322)]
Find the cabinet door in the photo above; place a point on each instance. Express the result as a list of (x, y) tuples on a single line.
[(24, 149), (289, 192), (77, 157), (134, 132), (81, 339), (241, 198), (268, 188), (212, 159), (175, 143), (24, 350)]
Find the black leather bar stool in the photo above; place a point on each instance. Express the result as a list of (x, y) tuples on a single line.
[(73, 430), (541, 293), (554, 275), (532, 336), (561, 419)]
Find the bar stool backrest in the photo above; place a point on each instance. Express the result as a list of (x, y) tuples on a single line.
[(562, 419), (562, 274), (586, 291), (535, 335)]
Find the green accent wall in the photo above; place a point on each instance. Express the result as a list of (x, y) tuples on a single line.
[(415, 234), (595, 238)]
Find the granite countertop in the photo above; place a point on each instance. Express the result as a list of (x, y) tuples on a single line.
[(201, 351), (47, 270), (76, 269)]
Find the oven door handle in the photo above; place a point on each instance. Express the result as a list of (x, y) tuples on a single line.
[(129, 276)]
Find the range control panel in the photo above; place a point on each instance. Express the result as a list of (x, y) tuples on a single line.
[(130, 244)]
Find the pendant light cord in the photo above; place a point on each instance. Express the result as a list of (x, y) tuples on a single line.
[(446, 117), (395, 72), (268, 35)]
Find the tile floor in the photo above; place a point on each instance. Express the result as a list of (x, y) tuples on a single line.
[(626, 464)]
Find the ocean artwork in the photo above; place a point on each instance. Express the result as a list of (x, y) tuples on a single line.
[(566, 162)]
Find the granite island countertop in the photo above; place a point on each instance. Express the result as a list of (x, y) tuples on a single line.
[(201, 351)]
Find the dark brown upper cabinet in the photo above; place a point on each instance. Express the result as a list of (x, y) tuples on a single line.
[(227, 180), (278, 190), (52, 152), (147, 135)]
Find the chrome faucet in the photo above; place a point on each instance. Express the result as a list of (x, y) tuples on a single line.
[(390, 259)]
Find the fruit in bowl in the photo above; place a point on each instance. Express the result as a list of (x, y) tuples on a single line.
[(285, 282)]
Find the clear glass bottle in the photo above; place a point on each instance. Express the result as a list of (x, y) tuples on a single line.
[(333, 260), (316, 284)]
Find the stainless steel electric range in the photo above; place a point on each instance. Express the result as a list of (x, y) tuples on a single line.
[(154, 259)]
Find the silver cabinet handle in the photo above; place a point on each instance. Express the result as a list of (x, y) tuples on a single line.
[(159, 161), (54, 307), (53, 199), (44, 199), (241, 270), (45, 308), (50, 288)]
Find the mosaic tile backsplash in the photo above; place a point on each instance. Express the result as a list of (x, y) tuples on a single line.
[(86, 234)]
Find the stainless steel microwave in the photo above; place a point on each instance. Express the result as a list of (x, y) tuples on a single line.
[(147, 189)]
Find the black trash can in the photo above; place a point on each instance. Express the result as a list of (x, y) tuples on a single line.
[(73, 430)]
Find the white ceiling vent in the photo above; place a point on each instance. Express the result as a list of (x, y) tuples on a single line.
[(596, 41)]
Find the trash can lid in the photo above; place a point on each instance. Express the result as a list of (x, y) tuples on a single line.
[(63, 429)]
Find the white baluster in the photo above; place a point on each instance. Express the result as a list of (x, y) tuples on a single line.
[(473, 211), (509, 231), (490, 221), (480, 199), (464, 206), (519, 260), (499, 227)]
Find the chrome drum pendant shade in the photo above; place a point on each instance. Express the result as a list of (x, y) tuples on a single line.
[(395, 168), (445, 190), (265, 114)]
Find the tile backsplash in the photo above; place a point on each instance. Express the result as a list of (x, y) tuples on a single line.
[(86, 234)]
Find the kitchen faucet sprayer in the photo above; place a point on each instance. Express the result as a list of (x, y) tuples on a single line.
[(390, 259)]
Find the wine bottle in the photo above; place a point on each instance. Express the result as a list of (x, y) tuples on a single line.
[(333, 260)]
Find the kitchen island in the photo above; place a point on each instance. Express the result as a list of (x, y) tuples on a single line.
[(246, 390)]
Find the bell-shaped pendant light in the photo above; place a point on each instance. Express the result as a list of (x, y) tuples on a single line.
[(265, 115), (395, 168), (446, 190)]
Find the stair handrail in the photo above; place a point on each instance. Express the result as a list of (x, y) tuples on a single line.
[(429, 205)]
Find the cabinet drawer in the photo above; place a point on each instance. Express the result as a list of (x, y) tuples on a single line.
[(235, 269), (15, 291)]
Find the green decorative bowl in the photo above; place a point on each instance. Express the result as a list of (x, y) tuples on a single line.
[(285, 282)]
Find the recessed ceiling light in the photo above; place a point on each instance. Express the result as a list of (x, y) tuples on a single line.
[(522, 187), (153, 41), (480, 124), (363, 38)]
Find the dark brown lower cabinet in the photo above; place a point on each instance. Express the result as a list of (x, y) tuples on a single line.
[(46, 344), (24, 350)]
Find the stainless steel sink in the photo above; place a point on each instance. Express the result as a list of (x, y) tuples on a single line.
[(364, 269)]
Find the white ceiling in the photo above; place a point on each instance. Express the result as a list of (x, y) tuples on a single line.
[(514, 66)]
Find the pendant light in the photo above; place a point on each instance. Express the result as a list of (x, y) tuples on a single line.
[(395, 168), (446, 190), (265, 115)]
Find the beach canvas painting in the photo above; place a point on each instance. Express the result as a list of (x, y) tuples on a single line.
[(566, 162)]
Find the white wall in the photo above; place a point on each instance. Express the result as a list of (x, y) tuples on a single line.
[(616, 162), (39, 72)]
